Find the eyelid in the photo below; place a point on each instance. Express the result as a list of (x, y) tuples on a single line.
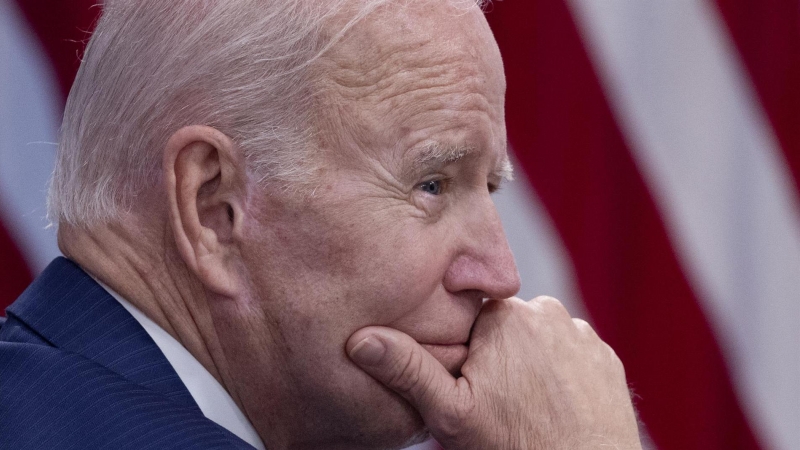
[(436, 176)]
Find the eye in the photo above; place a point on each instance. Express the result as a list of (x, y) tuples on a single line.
[(433, 187)]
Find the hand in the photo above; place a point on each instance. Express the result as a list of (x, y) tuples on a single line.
[(534, 379)]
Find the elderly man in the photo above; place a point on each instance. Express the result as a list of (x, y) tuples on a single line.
[(278, 230)]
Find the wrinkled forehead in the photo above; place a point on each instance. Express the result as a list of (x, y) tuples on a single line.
[(403, 35), (416, 73)]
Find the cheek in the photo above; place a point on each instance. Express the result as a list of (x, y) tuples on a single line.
[(400, 268), (335, 270)]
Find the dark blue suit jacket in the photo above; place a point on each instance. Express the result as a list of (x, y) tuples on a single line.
[(78, 371)]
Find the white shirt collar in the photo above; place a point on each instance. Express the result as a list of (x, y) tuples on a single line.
[(213, 400)]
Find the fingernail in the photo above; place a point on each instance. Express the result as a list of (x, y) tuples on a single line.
[(368, 352)]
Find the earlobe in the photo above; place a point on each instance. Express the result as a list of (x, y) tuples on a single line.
[(205, 179)]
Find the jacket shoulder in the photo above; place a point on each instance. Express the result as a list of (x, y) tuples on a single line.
[(51, 398)]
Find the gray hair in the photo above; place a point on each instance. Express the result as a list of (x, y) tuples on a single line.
[(154, 66)]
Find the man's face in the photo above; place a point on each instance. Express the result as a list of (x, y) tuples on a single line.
[(401, 230)]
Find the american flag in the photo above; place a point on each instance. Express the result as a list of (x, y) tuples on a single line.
[(657, 145)]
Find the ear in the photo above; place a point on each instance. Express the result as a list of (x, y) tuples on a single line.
[(206, 183)]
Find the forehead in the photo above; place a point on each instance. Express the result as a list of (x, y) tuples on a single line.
[(414, 74), (410, 30)]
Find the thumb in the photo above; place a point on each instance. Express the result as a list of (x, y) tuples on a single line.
[(399, 362)]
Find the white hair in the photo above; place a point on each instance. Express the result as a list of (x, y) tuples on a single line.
[(154, 66)]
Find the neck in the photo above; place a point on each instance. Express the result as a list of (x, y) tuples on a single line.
[(141, 265)]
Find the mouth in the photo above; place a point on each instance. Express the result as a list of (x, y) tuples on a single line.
[(452, 356)]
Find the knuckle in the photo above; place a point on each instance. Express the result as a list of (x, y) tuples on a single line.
[(581, 324), (613, 357), (584, 327), (550, 306)]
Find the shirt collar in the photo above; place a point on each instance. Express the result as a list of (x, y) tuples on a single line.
[(213, 400)]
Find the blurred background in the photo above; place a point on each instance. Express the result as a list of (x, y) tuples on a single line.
[(657, 192)]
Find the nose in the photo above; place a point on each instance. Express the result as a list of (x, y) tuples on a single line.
[(484, 261)]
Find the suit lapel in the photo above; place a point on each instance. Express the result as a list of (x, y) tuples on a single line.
[(74, 313)]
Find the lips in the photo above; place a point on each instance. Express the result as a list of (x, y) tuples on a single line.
[(452, 356)]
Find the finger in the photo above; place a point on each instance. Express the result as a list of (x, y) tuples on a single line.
[(399, 362)]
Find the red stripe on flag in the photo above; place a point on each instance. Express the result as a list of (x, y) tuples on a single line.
[(63, 28), (14, 273), (767, 35), (570, 147)]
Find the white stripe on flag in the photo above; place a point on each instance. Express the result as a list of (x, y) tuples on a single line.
[(29, 119), (717, 173), (544, 265)]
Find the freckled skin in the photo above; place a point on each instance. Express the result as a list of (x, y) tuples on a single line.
[(371, 247)]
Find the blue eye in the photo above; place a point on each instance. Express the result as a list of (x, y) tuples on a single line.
[(433, 187)]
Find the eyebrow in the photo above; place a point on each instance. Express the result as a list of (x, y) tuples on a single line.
[(436, 154), (505, 170)]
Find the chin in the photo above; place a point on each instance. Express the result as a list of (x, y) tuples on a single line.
[(390, 424), (378, 419), (407, 427)]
